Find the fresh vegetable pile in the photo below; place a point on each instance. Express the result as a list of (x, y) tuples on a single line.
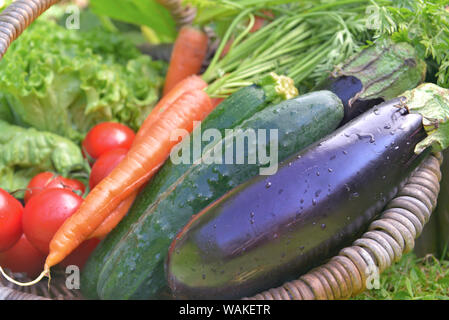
[(70, 103), (131, 168)]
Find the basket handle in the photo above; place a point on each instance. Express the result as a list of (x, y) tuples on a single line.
[(21, 13), (17, 17)]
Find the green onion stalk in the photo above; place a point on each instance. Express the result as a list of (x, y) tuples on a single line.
[(213, 10), (304, 42)]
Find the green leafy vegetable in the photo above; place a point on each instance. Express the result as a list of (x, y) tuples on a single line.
[(65, 81), (307, 38), (423, 24), (142, 12), (432, 103), (304, 41), (26, 152)]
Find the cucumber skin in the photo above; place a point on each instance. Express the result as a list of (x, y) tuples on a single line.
[(134, 268), (228, 114)]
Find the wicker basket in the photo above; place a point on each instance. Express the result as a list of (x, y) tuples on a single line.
[(342, 277)]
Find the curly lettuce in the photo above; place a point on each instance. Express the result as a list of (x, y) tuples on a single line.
[(65, 81), (27, 152)]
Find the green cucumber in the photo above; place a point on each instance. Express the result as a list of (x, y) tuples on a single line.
[(231, 112), (133, 266)]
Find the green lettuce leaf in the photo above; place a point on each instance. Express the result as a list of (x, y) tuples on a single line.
[(65, 81), (27, 152)]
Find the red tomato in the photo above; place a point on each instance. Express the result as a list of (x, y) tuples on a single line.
[(23, 257), (66, 183), (45, 213), (104, 165), (37, 184), (11, 211), (80, 255), (49, 180), (107, 136)]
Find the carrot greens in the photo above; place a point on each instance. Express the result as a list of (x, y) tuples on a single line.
[(298, 43), (306, 39)]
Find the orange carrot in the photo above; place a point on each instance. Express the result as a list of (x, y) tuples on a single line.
[(140, 164), (217, 101), (188, 84), (187, 57), (114, 217)]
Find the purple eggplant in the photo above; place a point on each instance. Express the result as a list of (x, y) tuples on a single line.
[(348, 88), (374, 75), (271, 229)]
